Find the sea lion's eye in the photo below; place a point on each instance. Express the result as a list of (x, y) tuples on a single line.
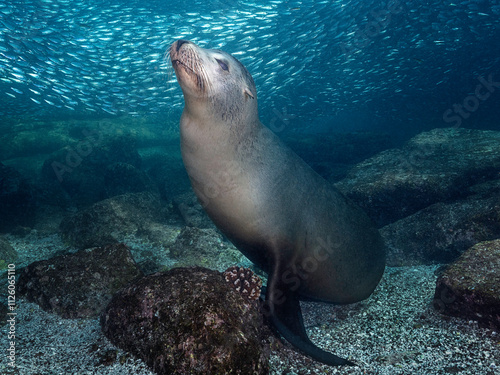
[(223, 65)]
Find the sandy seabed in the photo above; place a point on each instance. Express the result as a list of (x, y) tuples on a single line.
[(396, 331)]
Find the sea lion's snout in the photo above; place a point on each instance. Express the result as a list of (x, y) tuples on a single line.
[(182, 57), (188, 61), (175, 50), (180, 42)]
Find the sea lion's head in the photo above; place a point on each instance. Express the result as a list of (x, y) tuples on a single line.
[(215, 84)]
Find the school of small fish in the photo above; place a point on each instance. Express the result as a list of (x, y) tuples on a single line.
[(315, 58)]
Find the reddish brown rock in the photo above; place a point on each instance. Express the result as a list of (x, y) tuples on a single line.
[(78, 285), (470, 287), (188, 321)]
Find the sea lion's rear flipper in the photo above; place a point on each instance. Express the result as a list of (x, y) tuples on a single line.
[(285, 314)]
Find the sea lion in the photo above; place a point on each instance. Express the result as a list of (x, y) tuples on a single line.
[(314, 243)]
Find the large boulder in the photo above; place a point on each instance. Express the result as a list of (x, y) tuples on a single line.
[(470, 287), (4, 311), (111, 220), (436, 166), (442, 231), (188, 321), (78, 285)]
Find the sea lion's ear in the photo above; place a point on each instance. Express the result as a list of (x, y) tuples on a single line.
[(249, 93)]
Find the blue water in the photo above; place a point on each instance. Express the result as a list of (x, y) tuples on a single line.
[(323, 65)]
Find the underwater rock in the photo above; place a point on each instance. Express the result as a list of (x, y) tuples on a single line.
[(7, 254), (122, 178), (47, 220), (470, 287), (79, 169), (442, 231), (204, 247), (188, 321), (78, 285), (191, 211), (435, 166), (17, 200), (110, 220)]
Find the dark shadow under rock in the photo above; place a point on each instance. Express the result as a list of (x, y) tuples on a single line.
[(164, 166), (17, 200), (78, 285), (188, 321), (110, 220), (442, 231), (123, 178), (332, 154), (470, 287), (436, 166)]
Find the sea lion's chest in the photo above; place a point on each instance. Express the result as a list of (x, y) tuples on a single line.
[(224, 180)]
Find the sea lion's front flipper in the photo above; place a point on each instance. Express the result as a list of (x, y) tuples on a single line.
[(285, 314)]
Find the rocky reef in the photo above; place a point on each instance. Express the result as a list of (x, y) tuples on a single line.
[(435, 199), (7, 253)]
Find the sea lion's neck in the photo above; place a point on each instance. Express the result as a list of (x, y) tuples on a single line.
[(202, 134)]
